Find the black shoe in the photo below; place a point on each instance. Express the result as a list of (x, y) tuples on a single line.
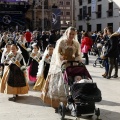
[(108, 77), (56, 110), (12, 99), (16, 95), (114, 76)]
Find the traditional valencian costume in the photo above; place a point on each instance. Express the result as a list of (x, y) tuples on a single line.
[(4, 40), (33, 64), (53, 91), (5, 53), (14, 80), (21, 43), (43, 71)]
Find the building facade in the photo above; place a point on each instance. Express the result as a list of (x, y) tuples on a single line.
[(67, 13), (12, 15), (34, 14), (95, 15)]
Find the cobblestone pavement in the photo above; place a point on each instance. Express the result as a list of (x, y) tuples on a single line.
[(30, 107)]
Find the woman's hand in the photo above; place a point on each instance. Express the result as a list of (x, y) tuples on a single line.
[(103, 57), (64, 61)]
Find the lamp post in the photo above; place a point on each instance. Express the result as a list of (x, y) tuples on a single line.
[(87, 18), (72, 13), (43, 15), (36, 3)]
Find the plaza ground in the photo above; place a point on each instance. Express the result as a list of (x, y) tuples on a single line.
[(30, 107)]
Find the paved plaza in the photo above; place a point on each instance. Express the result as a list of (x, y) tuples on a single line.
[(30, 107)]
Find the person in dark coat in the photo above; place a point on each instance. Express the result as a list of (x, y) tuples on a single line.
[(112, 53), (44, 39), (53, 38)]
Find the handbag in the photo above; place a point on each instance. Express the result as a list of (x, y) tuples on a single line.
[(85, 49)]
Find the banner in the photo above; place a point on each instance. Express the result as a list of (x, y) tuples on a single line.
[(12, 18), (93, 7), (56, 13)]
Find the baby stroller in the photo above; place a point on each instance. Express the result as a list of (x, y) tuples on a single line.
[(94, 50), (98, 61), (81, 97)]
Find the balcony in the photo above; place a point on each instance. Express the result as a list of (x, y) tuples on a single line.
[(109, 13), (98, 14)]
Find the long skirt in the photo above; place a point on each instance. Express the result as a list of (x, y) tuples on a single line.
[(5, 88), (32, 71), (39, 83), (53, 92)]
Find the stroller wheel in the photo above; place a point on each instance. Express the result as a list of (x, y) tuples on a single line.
[(101, 66), (61, 110), (90, 116), (97, 113), (94, 65), (77, 118)]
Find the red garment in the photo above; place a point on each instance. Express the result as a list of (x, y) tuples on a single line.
[(86, 41), (28, 36)]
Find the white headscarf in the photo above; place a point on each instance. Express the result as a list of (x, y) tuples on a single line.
[(41, 64), (55, 65)]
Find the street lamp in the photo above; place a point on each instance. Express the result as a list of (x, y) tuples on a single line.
[(37, 3), (43, 14), (87, 18), (72, 13)]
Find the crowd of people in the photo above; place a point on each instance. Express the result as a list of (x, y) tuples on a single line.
[(37, 57)]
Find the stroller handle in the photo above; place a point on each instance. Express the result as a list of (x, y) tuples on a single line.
[(72, 63)]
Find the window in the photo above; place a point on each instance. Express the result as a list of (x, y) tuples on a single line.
[(67, 13), (61, 2), (99, 27), (61, 22), (67, 3), (110, 24), (89, 28), (110, 9), (61, 13), (89, 11), (99, 11), (84, 11), (80, 14), (89, 1), (80, 2)]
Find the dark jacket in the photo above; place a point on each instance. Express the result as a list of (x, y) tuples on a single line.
[(52, 39), (112, 47)]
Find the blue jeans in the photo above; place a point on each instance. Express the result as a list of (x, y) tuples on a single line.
[(106, 64)]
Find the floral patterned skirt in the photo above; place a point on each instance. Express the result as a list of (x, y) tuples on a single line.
[(39, 83), (53, 92)]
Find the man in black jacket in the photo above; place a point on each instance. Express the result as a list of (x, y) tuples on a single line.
[(112, 53), (53, 38)]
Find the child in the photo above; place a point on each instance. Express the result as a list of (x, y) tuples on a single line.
[(6, 51), (79, 79), (34, 62), (44, 68), (14, 79)]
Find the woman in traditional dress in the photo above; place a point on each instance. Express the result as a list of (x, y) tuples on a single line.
[(67, 48), (14, 79), (34, 62), (5, 52), (21, 43), (4, 40), (43, 68)]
